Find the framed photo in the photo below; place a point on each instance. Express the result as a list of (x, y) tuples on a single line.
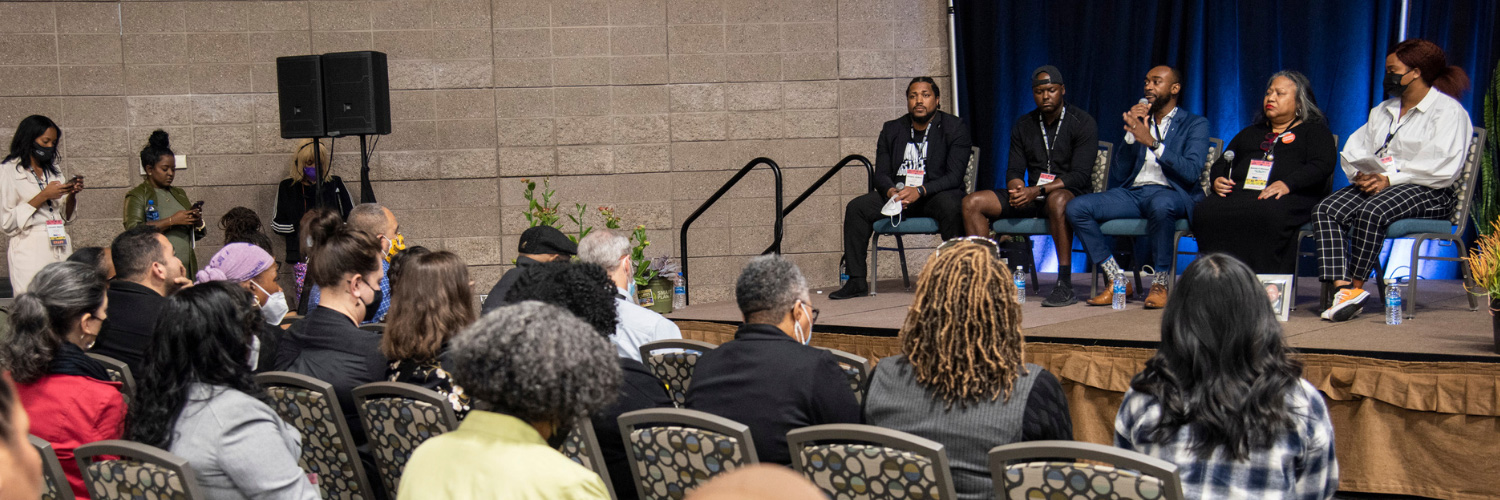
[(1279, 292)]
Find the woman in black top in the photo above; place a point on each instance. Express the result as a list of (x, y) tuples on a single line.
[(1259, 226), (295, 195)]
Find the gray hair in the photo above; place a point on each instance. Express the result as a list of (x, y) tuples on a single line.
[(536, 362), (603, 247), (1307, 103), (768, 288), (367, 217), (41, 318)]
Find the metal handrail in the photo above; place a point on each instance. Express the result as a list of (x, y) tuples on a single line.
[(682, 241), (869, 181)]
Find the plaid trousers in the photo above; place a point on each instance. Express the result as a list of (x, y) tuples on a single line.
[(1354, 223)]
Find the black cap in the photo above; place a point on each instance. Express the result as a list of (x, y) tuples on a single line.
[(546, 240), (1053, 76)]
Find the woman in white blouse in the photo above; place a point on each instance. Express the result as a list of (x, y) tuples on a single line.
[(36, 201), (1402, 164)]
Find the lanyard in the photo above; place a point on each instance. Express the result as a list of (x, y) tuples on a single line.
[(1270, 154), (41, 184), (1392, 135), (1159, 135), (1041, 123), (922, 149)]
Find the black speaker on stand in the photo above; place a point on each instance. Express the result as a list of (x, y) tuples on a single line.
[(357, 97)]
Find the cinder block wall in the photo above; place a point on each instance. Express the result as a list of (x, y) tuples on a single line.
[(642, 105)]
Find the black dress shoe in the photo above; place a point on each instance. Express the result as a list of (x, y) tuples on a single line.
[(1062, 295), (854, 288)]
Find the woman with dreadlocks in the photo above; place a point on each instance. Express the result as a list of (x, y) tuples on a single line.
[(961, 381)]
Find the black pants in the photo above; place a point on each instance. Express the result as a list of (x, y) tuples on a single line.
[(862, 212)]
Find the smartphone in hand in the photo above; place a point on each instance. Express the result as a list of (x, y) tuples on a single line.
[(198, 205)]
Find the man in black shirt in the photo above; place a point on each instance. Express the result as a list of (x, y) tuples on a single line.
[(926, 153), (148, 272), (1052, 151), (538, 245)]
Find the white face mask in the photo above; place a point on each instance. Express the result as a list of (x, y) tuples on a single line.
[(254, 360), (797, 328), (275, 308)]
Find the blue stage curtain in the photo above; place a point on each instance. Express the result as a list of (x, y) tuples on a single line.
[(1466, 30)]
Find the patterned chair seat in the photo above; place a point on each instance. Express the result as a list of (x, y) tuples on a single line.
[(675, 369), (865, 472), (396, 426), (130, 479), (678, 459), (327, 446), (1083, 481)]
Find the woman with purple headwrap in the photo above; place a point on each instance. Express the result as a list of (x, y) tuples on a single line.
[(255, 271)]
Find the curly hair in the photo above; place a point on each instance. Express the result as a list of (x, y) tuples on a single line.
[(41, 318), (203, 335), (963, 334), (768, 287), (238, 224), (536, 362), (581, 288), (428, 309)]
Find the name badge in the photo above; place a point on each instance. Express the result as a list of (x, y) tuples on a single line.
[(914, 176), (1258, 175), (56, 234), (1045, 179), (1389, 162)]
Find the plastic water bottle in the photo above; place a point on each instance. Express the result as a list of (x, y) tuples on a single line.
[(679, 293), (843, 271), (1119, 292), (1020, 285), (151, 214), (1393, 303)]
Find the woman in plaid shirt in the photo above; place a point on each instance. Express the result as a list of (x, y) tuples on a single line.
[(1222, 399)]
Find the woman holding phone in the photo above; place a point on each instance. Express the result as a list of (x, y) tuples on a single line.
[(158, 203), (36, 199)]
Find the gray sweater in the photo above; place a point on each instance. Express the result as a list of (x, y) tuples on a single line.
[(239, 447), (1036, 410)]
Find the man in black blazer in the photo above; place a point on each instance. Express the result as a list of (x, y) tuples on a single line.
[(927, 152)]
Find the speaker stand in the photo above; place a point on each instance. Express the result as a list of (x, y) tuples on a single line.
[(366, 191)]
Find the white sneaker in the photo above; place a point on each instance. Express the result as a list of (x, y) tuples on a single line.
[(1347, 304)]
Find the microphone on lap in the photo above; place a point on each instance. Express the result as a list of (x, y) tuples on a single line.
[(1229, 157)]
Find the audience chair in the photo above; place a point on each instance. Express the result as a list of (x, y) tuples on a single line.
[(141, 472), (890, 463), (676, 451), (674, 368), (1028, 227), (1035, 474), (54, 481), (398, 417), (328, 450), (1135, 228), (118, 372), (857, 368), (912, 225), (378, 328), (582, 446)]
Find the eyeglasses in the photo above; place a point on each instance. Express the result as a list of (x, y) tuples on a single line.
[(990, 244), (1266, 145)]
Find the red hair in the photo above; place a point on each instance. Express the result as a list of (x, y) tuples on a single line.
[(1428, 57)]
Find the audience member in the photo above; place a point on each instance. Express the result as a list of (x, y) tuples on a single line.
[(96, 257), (1223, 400), (20, 465), (242, 225), (538, 244), (758, 482), (532, 369), (197, 399), (393, 274), (425, 314), (328, 344), (768, 378), (148, 272), (254, 270), (317, 217), (584, 290), (68, 396), (380, 223), (157, 197), (638, 325), (30, 214), (298, 194), (960, 379)]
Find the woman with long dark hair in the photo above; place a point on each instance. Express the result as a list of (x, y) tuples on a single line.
[(68, 395), (198, 399), (435, 302), (1223, 399), (158, 203), (36, 201)]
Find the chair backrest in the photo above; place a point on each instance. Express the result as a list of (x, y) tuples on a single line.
[(1100, 175), (842, 459), (856, 368), (1467, 179), (582, 446), (54, 481), (118, 372), (397, 418), (141, 471), (373, 328), (674, 451), (674, 369), (971, 173), (1215, 149), (1133, 476), (328, 451)]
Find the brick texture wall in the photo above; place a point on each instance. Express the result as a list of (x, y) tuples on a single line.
[(643, 105)]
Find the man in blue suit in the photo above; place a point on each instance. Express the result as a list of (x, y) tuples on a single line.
[(1154, 177)]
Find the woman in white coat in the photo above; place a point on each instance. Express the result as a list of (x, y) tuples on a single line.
[(35, 201)]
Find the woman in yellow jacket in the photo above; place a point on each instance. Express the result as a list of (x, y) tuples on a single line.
[(179, 221)]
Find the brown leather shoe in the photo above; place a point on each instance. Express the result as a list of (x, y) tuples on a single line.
[(1157, 299), (1108, 297)]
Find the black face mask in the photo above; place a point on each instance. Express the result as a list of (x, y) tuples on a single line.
[(374, 306), (1392, 83), (560, 436), (44, 154)]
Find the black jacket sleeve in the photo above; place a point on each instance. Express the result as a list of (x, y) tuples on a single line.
[(885, 168), (1015, 167), (832, 400), (960, 147), (1046, 415), (1085, 146)]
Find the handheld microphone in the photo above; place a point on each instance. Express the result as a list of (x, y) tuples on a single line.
[(899, 187), (1146, 102), (1229, 157), (893, 207)]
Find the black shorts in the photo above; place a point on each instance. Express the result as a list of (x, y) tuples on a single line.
[(1035, 210)]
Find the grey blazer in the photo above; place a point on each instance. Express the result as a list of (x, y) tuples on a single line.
[(239, 447)]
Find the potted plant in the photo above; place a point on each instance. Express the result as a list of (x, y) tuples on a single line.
[(1484, 266)]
